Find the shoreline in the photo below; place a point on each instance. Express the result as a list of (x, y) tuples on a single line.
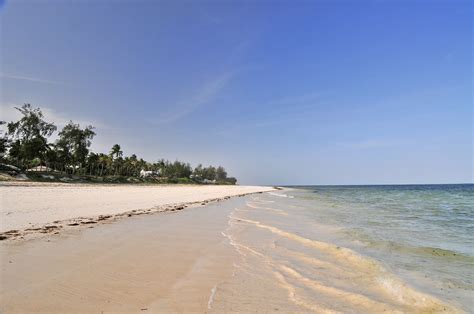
[(165, 198), (154, 263), (260, 252)]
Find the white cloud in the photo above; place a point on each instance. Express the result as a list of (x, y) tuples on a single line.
[(9, 113), (370, 143), (102, 142), (28, 78), (284, 110), (206, 94)]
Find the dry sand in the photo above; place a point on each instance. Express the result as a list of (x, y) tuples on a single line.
[(32, 206)]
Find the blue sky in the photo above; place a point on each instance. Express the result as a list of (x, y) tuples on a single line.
[(279, 92)]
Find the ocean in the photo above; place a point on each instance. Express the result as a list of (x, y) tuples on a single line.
[(362, 248)]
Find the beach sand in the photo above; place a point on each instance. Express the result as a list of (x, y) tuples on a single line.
[(164, 262), (243, 254), (28, 207)]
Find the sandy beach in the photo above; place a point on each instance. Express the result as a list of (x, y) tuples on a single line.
[(155, 263), (30, 205), (259, 252), (176, 156)]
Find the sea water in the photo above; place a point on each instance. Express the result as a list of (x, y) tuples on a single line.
[(423, 233), (395, 248)]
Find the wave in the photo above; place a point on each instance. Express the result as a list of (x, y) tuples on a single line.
[(362, 269), (280, 195), (298, 300), (354, 298), (276, 210), (314, 262), (337, 251), (239, 246), (211, 297), (258, 199)]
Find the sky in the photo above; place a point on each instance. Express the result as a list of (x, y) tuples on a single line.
[(278, 92)]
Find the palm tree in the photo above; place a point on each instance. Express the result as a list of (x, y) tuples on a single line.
[(92, 162), (115, 151), (104, 162)]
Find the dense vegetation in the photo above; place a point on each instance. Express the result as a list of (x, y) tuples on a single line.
[(25, 145)]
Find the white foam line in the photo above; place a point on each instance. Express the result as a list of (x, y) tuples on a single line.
[(211, 297), (280, 195), (257, 200), (280, 211)]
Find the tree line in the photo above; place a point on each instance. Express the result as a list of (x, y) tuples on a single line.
[(25, 144)]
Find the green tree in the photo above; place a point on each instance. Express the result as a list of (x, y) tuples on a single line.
[(221, 174), (52, 159), (118, 165), (104, 164), (209, 173), (198, 172), (29, 134), (27, 143), (182, 170), (92, 163), (176, 169), (3, 142), (115, 152), (73, 143)]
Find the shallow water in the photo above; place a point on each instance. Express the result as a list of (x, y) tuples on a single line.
[(363, 249), (318, 249), (424, 233)]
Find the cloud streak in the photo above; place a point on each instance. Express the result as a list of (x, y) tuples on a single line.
[(28, 78), (206, 94), (283, 111), (372, 143), (9, 113)]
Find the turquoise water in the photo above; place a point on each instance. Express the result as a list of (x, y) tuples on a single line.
[(422, 233)]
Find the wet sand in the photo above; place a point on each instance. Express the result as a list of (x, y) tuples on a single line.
[(165, 262), (256, 253)]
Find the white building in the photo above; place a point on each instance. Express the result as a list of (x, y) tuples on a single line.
[(148, 173)]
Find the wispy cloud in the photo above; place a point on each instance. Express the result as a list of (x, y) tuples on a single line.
[(204, 95), (28, 78), (206, 15), (9, 113), (371, 143), (308, 99), (282, 111)]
